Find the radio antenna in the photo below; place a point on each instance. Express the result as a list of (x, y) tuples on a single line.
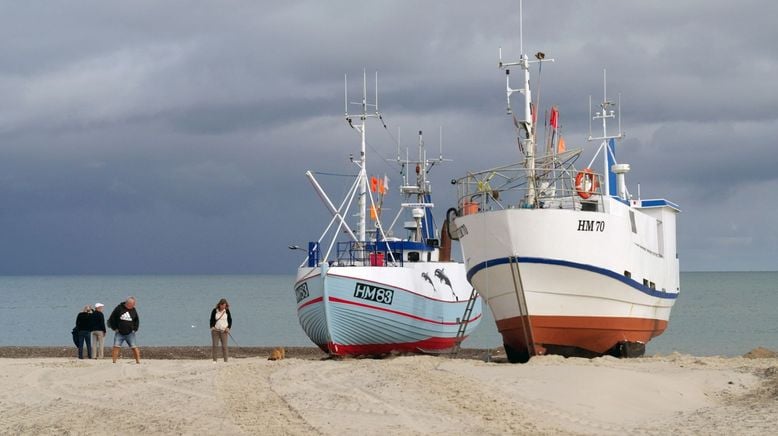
[(441, 143), (362, 162), (521, 26)]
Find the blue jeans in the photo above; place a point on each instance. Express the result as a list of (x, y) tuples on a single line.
[(118, 338), (84, 336)]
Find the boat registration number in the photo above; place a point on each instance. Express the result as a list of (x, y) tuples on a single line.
[(591, 226), (301, 292), (373, 293)]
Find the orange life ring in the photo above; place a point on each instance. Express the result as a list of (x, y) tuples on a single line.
[(586, 183)]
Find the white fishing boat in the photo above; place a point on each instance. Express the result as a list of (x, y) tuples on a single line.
[(374, 292), (569, 261)]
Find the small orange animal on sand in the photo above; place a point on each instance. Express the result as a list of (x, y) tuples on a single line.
[(278, 353)]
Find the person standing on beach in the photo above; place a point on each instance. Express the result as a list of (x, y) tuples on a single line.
[(221, 323), (124, 322), (84, 329), (97, 323)]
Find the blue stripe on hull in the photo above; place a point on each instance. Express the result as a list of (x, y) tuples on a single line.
[(595, 269)]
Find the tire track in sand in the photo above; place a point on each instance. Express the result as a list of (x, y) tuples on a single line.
[(404, 395), (156, 397), (254, 406)]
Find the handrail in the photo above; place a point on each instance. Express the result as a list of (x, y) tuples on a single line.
[(371, 253), (507, 187)]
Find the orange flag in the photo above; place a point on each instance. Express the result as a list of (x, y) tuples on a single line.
[(378, 185)]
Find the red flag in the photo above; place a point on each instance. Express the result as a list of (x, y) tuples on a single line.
[(554, 121)]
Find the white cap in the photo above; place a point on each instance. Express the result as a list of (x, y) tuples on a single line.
[(99, 305)]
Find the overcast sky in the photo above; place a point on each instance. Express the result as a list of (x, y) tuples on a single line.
[(173, 137)]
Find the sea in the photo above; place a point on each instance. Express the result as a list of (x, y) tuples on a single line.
[(717, 313)]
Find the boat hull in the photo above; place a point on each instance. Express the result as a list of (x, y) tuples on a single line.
[(364, 310), (557, 284), (577, 335)]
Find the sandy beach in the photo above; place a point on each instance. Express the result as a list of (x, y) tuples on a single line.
[(674, 394)]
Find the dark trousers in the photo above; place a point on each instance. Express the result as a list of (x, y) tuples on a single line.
[(84, 337)]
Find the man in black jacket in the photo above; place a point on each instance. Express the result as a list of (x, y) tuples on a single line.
[(124, 322)]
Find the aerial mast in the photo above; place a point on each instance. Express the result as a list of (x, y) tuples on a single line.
[(612, 171), (527, 140), (365, 106)]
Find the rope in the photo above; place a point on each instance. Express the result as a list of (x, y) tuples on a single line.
[(233, 340)]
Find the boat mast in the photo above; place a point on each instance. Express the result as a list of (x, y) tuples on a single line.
[(416, 193), (527, 140), (421, 170), (419, 213), (609, 158), (362, 161)]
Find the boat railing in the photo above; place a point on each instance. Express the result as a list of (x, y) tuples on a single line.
[(508, 187), (353, 253)]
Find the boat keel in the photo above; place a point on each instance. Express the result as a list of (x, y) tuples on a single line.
[(585, 337)]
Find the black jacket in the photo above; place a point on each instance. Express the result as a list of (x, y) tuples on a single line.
[(82, 322), (213, 318), (124, 326), (97, 321)]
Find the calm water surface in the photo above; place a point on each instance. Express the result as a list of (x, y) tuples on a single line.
[(718, 313)]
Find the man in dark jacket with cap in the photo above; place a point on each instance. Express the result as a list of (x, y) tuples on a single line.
[(124, 322), (97, 323)]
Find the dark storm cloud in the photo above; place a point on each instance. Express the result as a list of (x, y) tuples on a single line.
[(173, 136)]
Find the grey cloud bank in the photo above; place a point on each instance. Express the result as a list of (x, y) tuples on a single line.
[(172, 137)]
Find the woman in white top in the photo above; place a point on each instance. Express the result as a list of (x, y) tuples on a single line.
[(221, 323)]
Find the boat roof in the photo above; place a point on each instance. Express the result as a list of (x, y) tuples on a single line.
[(657, 202)]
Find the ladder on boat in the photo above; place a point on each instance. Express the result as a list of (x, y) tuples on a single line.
[(464, 322)]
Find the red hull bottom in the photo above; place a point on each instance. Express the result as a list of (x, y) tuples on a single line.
[(575, 335), (431, 345)]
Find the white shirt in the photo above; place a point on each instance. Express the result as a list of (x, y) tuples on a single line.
[(221, 320)]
